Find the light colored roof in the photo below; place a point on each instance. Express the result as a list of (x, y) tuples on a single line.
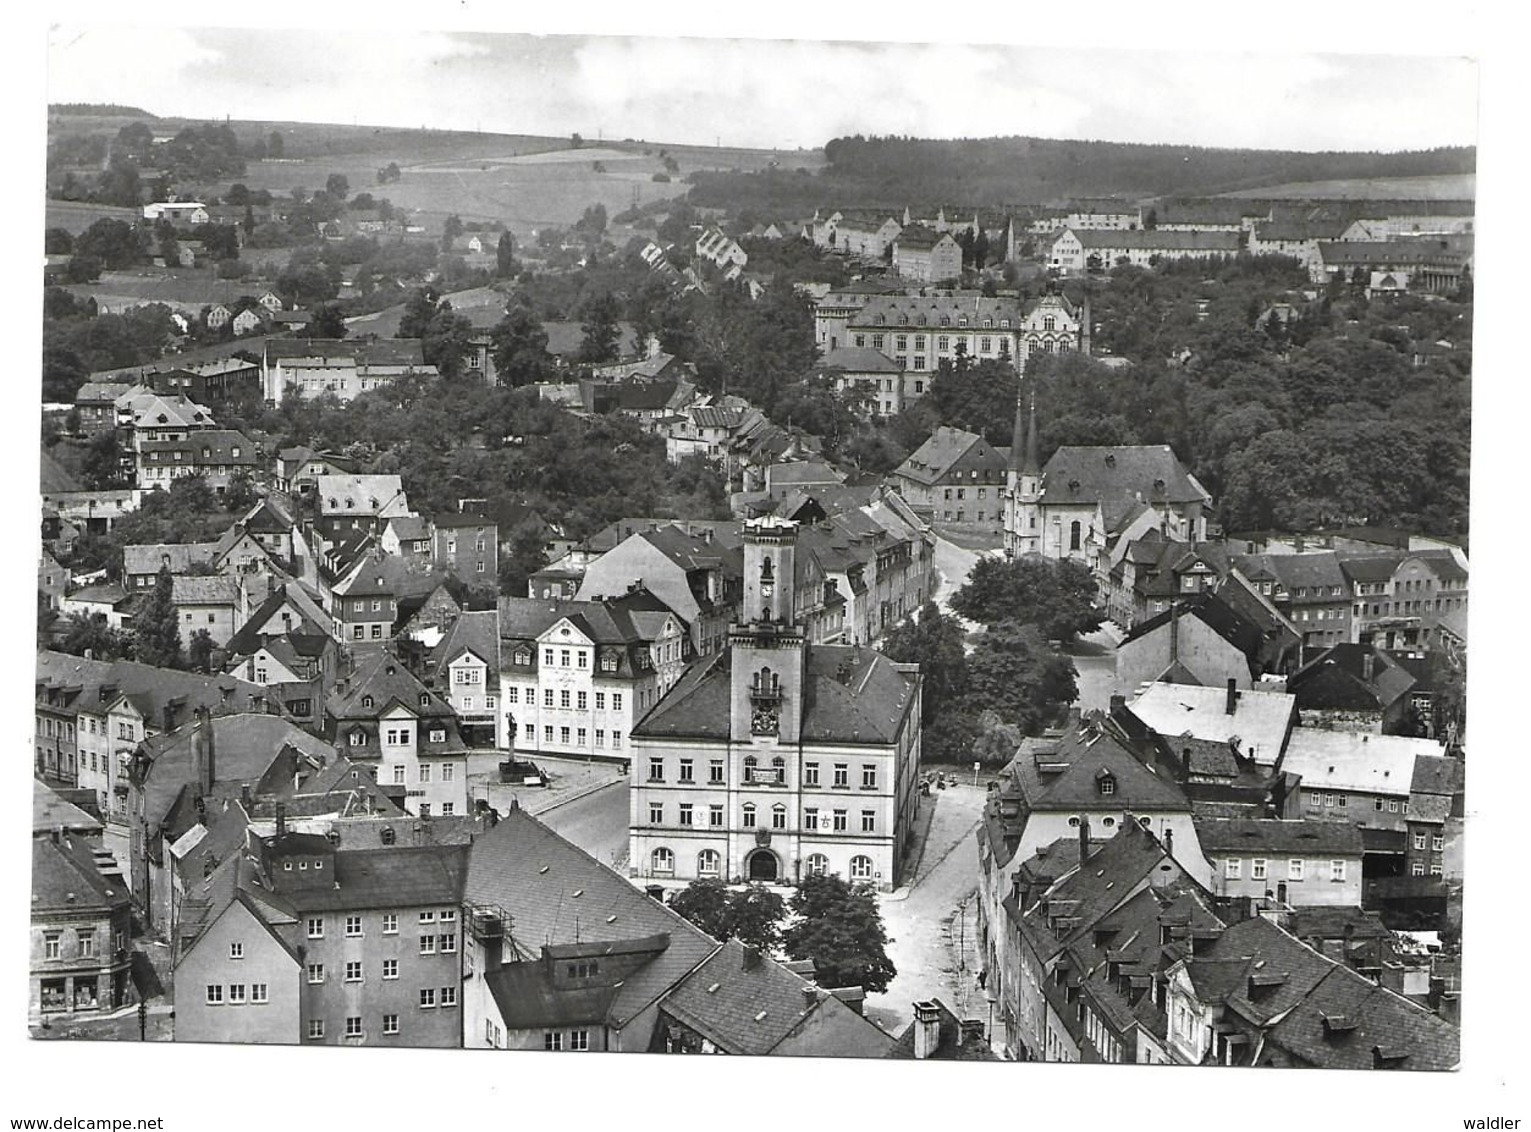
[(1350, 760), (366, 494), (1259, 719), (50, 811), (147, 558)]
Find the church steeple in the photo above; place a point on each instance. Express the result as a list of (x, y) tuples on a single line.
[(1024, 479)]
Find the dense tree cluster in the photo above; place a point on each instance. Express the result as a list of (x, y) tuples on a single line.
[(898, 171), (839, 927), (752, 914)]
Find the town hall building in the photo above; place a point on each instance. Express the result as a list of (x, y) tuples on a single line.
[(774, 759)]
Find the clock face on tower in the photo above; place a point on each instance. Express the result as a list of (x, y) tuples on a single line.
[(764, 721)]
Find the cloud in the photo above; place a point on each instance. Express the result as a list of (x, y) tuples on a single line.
[(786, 93)]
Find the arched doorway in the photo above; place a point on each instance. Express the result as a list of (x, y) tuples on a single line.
[(762, 865)]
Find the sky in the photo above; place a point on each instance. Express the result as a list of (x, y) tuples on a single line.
[(774, 92)]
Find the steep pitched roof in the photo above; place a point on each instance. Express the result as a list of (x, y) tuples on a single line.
[(752, 1005), (1063, 772), (555, 893), (1348, 1022), (65, 875), (1218, 616), (944, 447), (850, 695), (1338, 678), (1149, 473), (50, 811)]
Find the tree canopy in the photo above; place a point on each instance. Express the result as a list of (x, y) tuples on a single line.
[(840, 928)]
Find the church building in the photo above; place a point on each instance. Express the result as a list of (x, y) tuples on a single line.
[(776, 759), (1089, 502)]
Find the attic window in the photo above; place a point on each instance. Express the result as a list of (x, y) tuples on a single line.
[(1106, 784), (425, 699), (366, 701)]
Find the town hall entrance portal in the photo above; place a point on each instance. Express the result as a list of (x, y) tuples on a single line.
[(762, 865)]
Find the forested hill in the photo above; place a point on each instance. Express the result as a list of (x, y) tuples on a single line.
[(894, 171), (97, 110)]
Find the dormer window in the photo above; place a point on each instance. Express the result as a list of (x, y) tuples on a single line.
[(367, 701), (425, 699), (1106, 784)]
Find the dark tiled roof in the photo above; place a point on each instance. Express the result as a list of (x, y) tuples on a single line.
[(1276, 835), (859, 359), (755, 1007), (1151, 473), (1337, 679), (388, 878), (1219, 616), (1083, 754), (951, 1044), (869, 706), (1158, 240), (556, 893), (65, 876), (1348, 1022), (933, 459), (1437, 774)]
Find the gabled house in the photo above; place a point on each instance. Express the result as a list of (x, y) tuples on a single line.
[(743, 1003), (1198, 640), (80, 932), (381, 714), (955, 481), (1353, 688), (693, 575), (575, 677), (1256, 995)]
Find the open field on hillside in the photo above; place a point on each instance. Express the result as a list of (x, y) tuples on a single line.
[(75, 217), (523, 181), (1446, 186)]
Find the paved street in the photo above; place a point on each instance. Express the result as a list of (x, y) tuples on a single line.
[(1095, 658), (596, 822), (922, 921), (953, 563)]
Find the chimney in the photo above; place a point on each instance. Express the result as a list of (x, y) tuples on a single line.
[(1232, 701), (1174, 632), (281, 819), (1169, 843), (751, 958), (244, 797), (927, 1030), (1118, 703), (1185, 761), (810, 997), (1084, 840), (1368, 667)]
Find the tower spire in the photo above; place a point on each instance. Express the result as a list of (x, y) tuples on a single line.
[(1031, 437)]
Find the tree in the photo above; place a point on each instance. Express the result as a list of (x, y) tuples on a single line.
[(84, 633), (601, 333), (274, 145), (337, 186), (116, 244), (328, 322), (1014, 673), (520, 346), (157, 640), (705, 903), (450, 230), (527, 556), (505, 266), (755, 914), (841, 930), (1056, 596), (934, 641), (199, 652)]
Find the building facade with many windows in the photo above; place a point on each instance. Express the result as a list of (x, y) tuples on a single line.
[(777, 760)]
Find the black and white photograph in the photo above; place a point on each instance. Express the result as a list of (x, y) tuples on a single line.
[(874, 542)]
